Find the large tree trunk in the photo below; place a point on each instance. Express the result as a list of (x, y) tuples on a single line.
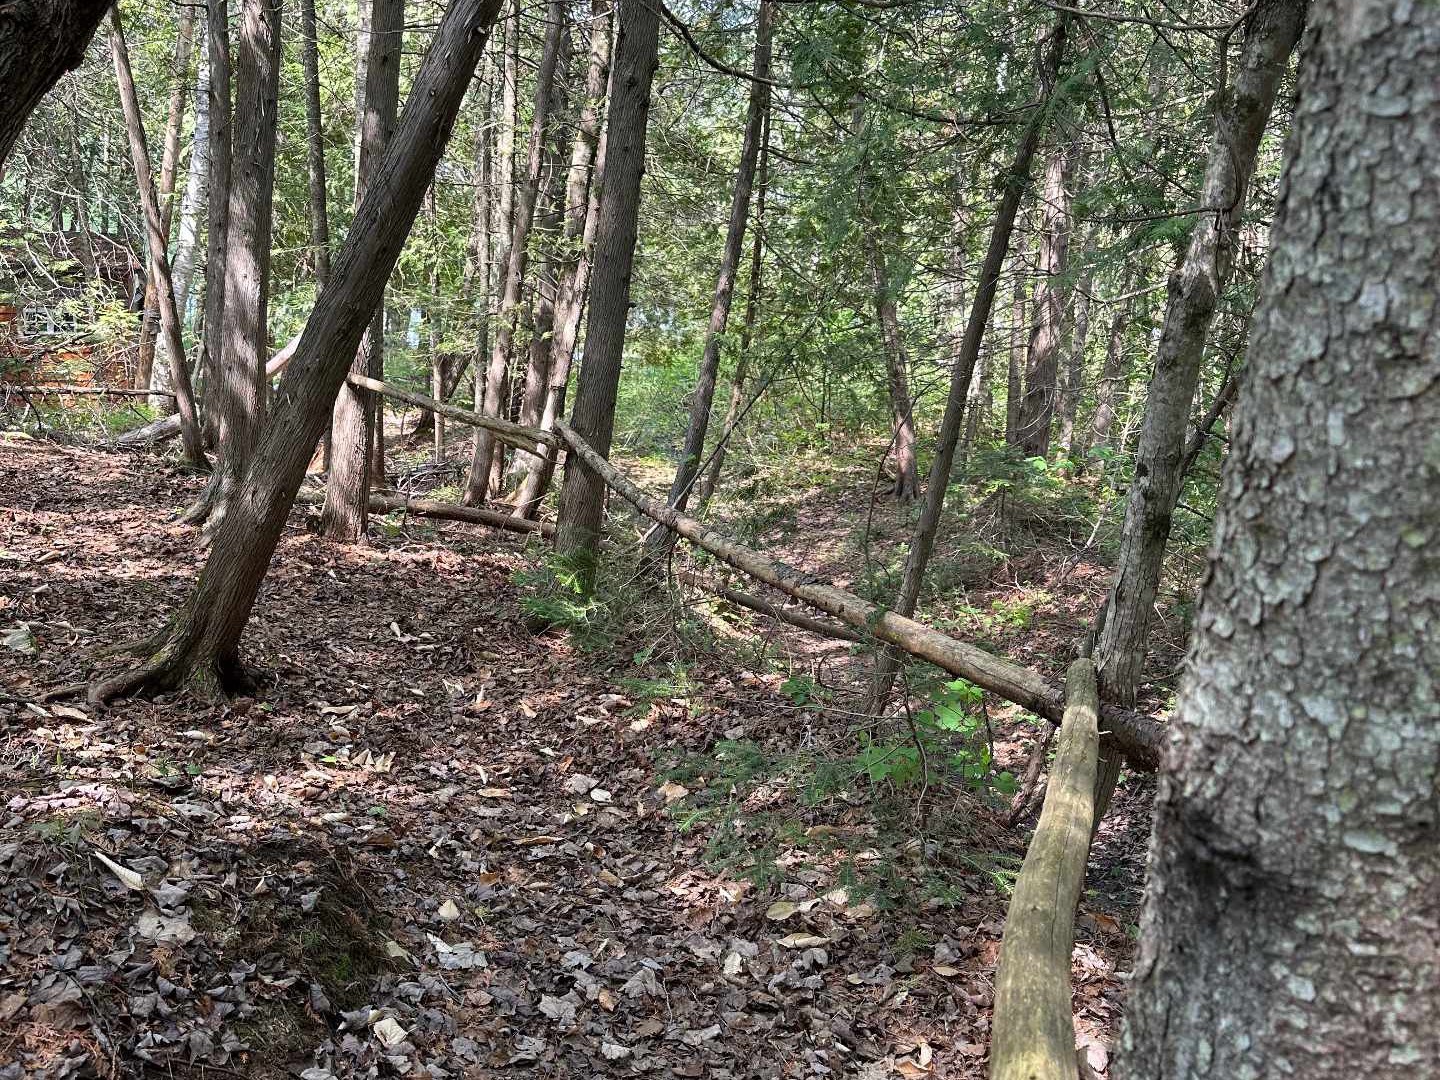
[(709, 370), (1293, 905), (582, 199), (40, 40), (314, 145), (922, 541), (515, 261), (1271, 32), (582, 497), (1042, 370), (240, 409), (357, 416), (199, 647), (155, 237), (169, 162)]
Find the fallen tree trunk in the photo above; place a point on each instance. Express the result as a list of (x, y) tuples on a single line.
[(66, 391), (525, 438), (1033, 1030), (764, 607), (167, 427), (1139, 736), (429, 508)]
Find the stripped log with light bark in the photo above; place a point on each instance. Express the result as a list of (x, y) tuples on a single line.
[(56, 389), (1140, 736), (525, 438), (1033, 1030)]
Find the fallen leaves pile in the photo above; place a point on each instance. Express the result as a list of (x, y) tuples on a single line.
[(434, 846)]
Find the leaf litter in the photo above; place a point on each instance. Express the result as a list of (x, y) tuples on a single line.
[(361, 873)]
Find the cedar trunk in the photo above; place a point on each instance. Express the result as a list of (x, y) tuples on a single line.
[(199, 647), (1293, 904), (40, 40), (582, 498), (357, 421)]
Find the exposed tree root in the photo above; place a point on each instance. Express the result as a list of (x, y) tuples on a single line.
[(174, 664)]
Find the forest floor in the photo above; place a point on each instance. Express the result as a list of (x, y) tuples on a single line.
[(439, 843)]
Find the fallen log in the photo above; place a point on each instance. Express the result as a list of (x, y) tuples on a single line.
[(1032, 1033), (429, 508), (764, 607), (1139, 736), (525, 438), (66, 391), (167, 427)]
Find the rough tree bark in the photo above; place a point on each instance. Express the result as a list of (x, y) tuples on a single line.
[(199, 646), (897, 373), (240, 409), (314, 145), (582, 198), (582, 497), (516, 258), (709, 370), (169, 162), (1271, 32), (1068, 405), (1015, 361), (1052, 293), (353, 434), (1293, 903), (155, 238), (217, 214), (1014, 182), (40, 40), (1112, 371)]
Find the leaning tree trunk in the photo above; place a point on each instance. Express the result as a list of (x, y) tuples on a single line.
[(922, 541), (516, 259), (40, 40), (199, 646), (582, 498), (582, 197), (155, 236), (1271, 31), (1052, 292), (1293, 903), (357, 415), (705, 379), (711, 479), (245, 335)]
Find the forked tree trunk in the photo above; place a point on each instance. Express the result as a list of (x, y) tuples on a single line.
[(709, 370), (515, 261), (1271, 32), (314, 145), (1291, 914), (199, 646), (40, 40), (357, 415), (582, 498), (245, 335), (169, 162), (897, 375), (1052, 293), (582, 198), (922, 540), (159, 257)]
